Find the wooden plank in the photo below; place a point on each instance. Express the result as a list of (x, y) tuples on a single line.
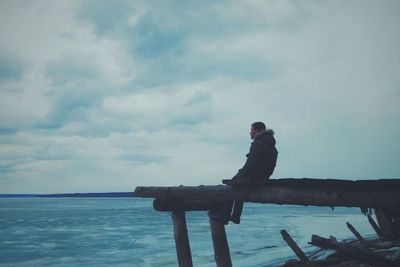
[(316, 192), (293, 245), (362, 255), (181, 239), (221, 249)]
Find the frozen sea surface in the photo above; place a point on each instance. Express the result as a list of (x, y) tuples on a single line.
[(128, 232)]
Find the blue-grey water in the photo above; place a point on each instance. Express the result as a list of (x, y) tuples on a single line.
[(128, 232)]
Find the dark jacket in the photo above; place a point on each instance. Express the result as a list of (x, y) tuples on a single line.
[(261, 159)]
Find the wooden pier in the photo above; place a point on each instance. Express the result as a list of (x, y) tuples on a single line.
[(382, 195)]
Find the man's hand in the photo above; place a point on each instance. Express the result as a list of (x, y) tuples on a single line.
[(241, 180)]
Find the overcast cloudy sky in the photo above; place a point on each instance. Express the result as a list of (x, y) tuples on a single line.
[(108, 95)]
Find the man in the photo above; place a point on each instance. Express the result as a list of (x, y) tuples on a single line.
[(261, 159), (260, 164)]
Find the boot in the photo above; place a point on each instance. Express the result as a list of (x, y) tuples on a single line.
[(237, 212)]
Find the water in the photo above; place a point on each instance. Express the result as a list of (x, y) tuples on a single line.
[(128, 232)]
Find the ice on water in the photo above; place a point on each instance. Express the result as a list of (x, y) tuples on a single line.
[(128, 232)]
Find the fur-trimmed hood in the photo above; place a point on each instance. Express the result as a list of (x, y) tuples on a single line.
[(267, 134), (260, 133)]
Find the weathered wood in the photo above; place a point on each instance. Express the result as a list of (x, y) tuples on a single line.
[(395, 214), (293, 245), (314, 263), (362, 255), (183, 205), (181, 239), (376, 228), (221, 249), (317, 192), (357, 234), (385, 223)]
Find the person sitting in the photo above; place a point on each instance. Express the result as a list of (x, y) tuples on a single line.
[(260, 164)]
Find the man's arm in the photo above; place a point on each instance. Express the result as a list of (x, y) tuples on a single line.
[(255, 151)]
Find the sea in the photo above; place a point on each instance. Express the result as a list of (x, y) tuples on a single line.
[(129, 232)]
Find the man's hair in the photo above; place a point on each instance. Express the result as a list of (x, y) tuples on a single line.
[(258, 126)]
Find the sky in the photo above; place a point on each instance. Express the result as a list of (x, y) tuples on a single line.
[(100, 96)]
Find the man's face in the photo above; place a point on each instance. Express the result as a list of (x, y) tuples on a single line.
[(252, 132)]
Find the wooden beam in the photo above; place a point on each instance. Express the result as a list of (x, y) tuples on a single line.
[(316, 192), (183, 205), (181, 239), (220, 243)]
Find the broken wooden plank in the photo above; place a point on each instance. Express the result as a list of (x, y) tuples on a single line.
[(357, 234), (350, 251), (317, 192), (293, 245)]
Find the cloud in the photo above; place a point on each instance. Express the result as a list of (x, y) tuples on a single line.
[(10, 69), (22, 104), (102, 96), (180, 106)]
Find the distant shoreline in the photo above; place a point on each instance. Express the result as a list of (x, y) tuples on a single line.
[(107, 194)]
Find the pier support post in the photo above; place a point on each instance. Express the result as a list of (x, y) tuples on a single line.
[(181, 239), (220, 243)]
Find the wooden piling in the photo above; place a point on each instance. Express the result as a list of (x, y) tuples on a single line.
[(181, 239), (220, 243)]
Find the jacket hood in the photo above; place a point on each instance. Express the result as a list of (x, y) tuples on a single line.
[(262, 132), (267, 134)]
